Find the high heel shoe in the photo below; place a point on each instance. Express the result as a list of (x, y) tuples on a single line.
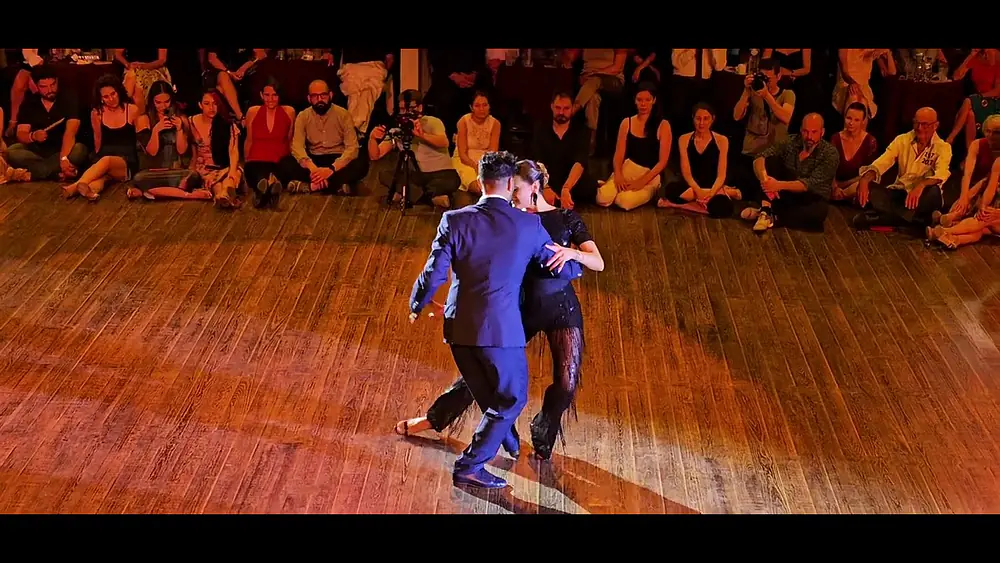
[(543, 436)]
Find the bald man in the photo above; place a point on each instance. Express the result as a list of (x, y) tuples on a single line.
[(923, 159), (325, 155), (794, 178)]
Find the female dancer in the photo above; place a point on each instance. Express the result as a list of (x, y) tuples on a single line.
[(550, 306)]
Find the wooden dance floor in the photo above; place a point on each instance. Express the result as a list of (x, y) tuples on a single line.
[(170, 357)]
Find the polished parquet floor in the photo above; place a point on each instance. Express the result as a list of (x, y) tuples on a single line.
[(170, 357)]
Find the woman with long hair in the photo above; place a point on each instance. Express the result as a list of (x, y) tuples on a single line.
[(164, 135), (216, 152), (117, 156), (548, 305), (641, 155)]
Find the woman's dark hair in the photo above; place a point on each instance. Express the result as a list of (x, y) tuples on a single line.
[(655, 114), (109, 81), (480, 94), (157, 88), (858, 106), (220, 131), (705, 106), (532, 171), (273, 83)]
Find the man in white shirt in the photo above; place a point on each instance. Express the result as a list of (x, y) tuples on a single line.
[(923, 159)]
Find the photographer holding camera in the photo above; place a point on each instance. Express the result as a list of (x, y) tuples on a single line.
[(770, 111), (434, 175)]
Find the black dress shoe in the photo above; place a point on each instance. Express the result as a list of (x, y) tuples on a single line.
[(482, 479)]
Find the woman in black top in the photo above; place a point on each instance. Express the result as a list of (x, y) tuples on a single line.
[(143, 67), (548, 305), (117, 155), (704, 159)]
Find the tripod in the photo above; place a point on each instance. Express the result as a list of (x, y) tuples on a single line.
[(402, 175)]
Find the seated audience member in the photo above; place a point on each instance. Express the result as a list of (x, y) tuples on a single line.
[(23, 83), (163, 135), (978, 163), (768, 112), (365, 72), (704, 158), (689, 81), (923, 159), (854, 72), (984, 66), (221, 76), (435, 175), (641, 155), (794, 178), (269, 139), (603, 71), (216, 155), (143, 67), (856, 147), (46, 132), (478, 132), (325, 152), (562, 146), (456, 74), (115, 145), (984, 220)]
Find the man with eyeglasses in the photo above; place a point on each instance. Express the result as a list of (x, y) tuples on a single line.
[(325, 152), (923, 159)]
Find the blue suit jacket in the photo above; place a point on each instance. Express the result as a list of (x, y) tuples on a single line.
[(488, 246)]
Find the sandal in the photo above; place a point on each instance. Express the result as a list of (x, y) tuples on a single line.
[(403, 428), (948, 241)]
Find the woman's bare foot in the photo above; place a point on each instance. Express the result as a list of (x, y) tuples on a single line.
[(71, 191), (663, 203), (935, 233), (86, 192), (133, 192), (413, 426)]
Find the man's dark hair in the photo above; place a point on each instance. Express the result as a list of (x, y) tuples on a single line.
[(498, 165), (43, 72), (414, 96), (561, 94)]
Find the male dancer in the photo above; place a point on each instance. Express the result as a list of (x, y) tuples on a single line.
[(488, 246)]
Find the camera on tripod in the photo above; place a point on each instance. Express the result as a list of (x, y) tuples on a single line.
[(402, 128)]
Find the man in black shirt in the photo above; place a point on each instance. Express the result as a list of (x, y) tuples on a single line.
[(563, 148), (46, 132), (365, 73)]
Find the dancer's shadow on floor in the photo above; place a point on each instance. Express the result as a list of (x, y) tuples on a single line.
[(594, 489)]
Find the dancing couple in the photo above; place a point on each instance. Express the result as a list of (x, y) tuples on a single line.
[(495, 251)]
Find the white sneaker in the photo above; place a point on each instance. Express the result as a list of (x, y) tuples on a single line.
[(764, 222)]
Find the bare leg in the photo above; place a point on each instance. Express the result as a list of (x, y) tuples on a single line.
[(177, 193), (228, 89), (92, 181), (963, 113), (21, 85)]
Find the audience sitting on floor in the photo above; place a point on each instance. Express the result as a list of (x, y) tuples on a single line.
[(116, 150), (704, 157), (922, 158), (325, 154), (478, 132), (269, 140), (216, 148), (46, 132), (984, 220), (857, 147), (432, 174), (163, 133), (795, 177), (641, 155), (978, 164), (562, 145)]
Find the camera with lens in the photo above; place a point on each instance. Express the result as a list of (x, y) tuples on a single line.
[(402, 128), (758, 82)]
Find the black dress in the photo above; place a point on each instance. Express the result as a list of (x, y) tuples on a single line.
[(550, 306)]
